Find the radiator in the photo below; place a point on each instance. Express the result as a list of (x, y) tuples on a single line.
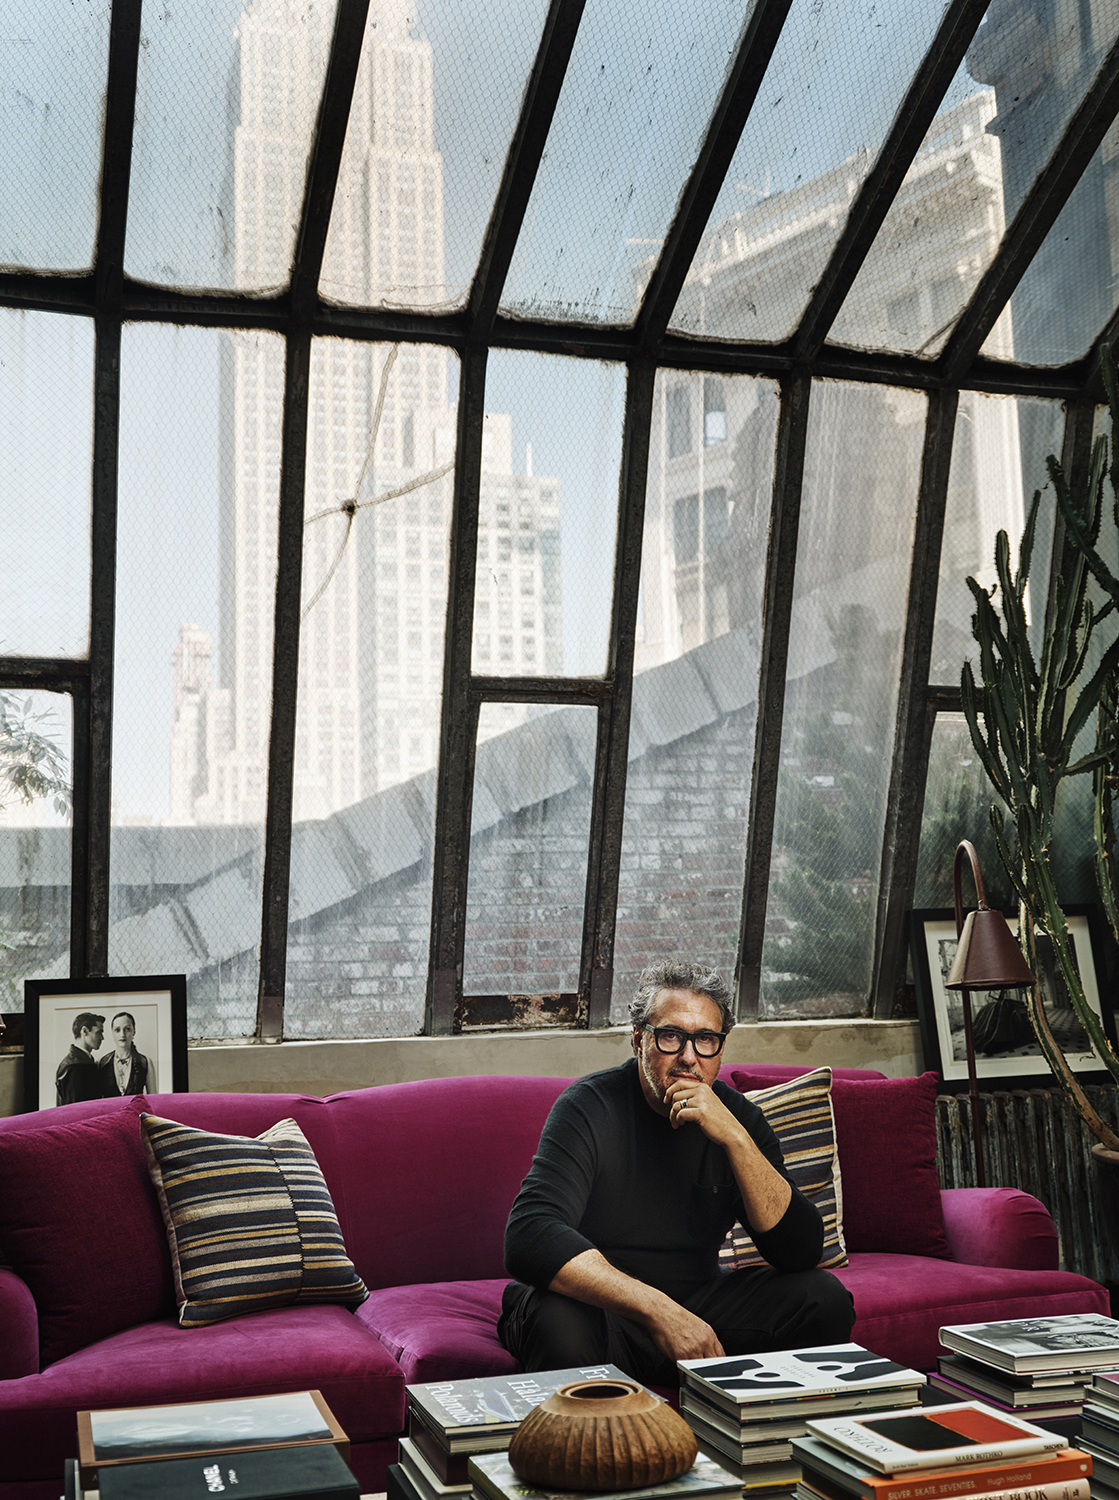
[(1033, 1139)]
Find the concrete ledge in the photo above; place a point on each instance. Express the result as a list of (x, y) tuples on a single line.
[(321, 1068)]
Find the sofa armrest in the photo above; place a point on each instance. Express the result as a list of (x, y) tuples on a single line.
[(999, 1227), (19, 1328)]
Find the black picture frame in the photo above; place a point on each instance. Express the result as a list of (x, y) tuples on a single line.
[(158, 1004), (932, 944)]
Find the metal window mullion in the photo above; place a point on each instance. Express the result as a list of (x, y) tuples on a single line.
[(276, 873), (91, 843), (608, 805), (523, 162), (318, 201), (913, 725), (756, 44), (79, 833), (459, 724), (883, 182), (1054, 186), (784, 528)]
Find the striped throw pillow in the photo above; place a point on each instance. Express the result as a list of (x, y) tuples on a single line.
[(800, 1112), (250, 1221)]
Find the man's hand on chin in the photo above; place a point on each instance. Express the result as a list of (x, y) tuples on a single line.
[(692, 1102), (681, 1335)]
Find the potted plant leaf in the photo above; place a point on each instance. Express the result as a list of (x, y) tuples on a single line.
[(1028, 729)]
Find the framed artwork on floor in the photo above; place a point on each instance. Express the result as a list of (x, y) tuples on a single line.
[(1007, 1054), (103, 1038)]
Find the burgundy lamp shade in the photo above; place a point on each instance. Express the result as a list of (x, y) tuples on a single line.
[(987, 955)]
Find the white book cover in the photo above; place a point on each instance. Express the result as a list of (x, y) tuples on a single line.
[(935, 1437), (822, 1370), (1074, 1341)]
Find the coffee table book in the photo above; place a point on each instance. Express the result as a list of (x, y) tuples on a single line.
[(856, 1479), (428, 1482), (1076, 1341), (140, 1434), (750, 1420), (493, 1479), (313, 1472), (745, 1381), (1062, 1489), (1048, 1389), (936, 1437), (958, 1391), (455, 1410)]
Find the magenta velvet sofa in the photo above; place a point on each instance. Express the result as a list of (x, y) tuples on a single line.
[(422, 1176)]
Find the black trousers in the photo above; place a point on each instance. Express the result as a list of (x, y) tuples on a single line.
[(751, 1311)]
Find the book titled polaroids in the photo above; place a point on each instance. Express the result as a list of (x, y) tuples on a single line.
[(936, 1437), (493, 1478), (139, 1434), (793, 1374), (310, 1473), (498, 1403), (1076, 1341), (852, 1478)]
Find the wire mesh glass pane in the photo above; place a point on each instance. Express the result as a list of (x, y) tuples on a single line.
[(1026, 71), (201, 415), (435, 105), (529, 837), (828, 98), (998, 461), (1069, 291), (46, 436), (640, 88), (958, 798), (849, 604), (703, 557), (380, 455), (53, 67), (227, 96), (548, 515), (36, 738)]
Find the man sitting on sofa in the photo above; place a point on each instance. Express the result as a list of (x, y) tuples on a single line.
[(641, 1170)]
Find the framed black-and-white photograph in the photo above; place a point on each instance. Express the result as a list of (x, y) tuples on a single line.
[(103, 1038), (1007, 1054)]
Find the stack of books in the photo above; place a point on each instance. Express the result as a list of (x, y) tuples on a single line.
[(451, 1421), (745, 1410), (283, 1447), (1034, 1367), (1099, 1429), (963, 1451)]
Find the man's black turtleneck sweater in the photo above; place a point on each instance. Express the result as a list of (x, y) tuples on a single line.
[(611, 1174)]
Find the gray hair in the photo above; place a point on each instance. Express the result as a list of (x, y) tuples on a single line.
[(678, 974)]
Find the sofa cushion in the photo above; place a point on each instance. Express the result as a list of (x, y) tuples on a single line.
[(886, 1134), (249, 1220), (799, 1110), (289, 1349), (80, 1223), (902, 1301), (441, 1331)]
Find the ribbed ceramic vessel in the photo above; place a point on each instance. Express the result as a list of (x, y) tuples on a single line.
[(602, 1435)]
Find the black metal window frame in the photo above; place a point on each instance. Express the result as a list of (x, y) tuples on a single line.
[(300, 315)]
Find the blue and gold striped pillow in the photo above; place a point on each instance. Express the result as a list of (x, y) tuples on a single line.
[(800, 1113), (250, 1222)]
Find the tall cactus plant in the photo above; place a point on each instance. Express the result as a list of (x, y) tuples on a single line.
[(1025, 733)]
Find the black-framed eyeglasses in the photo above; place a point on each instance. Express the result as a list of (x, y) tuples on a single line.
[(671, 1039)]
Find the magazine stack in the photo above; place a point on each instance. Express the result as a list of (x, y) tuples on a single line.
[(746, 1410), (1038, 1368), (1099, 1429), (451, 1421), (963, 1451)]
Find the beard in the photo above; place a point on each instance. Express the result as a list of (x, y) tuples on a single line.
[(658, 1088)]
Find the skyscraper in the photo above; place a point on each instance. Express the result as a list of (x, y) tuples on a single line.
[(379, 424)]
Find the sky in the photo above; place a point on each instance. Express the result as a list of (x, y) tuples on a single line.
[(640, 88)]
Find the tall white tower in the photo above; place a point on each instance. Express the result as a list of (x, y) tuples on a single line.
[(375, 581)]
